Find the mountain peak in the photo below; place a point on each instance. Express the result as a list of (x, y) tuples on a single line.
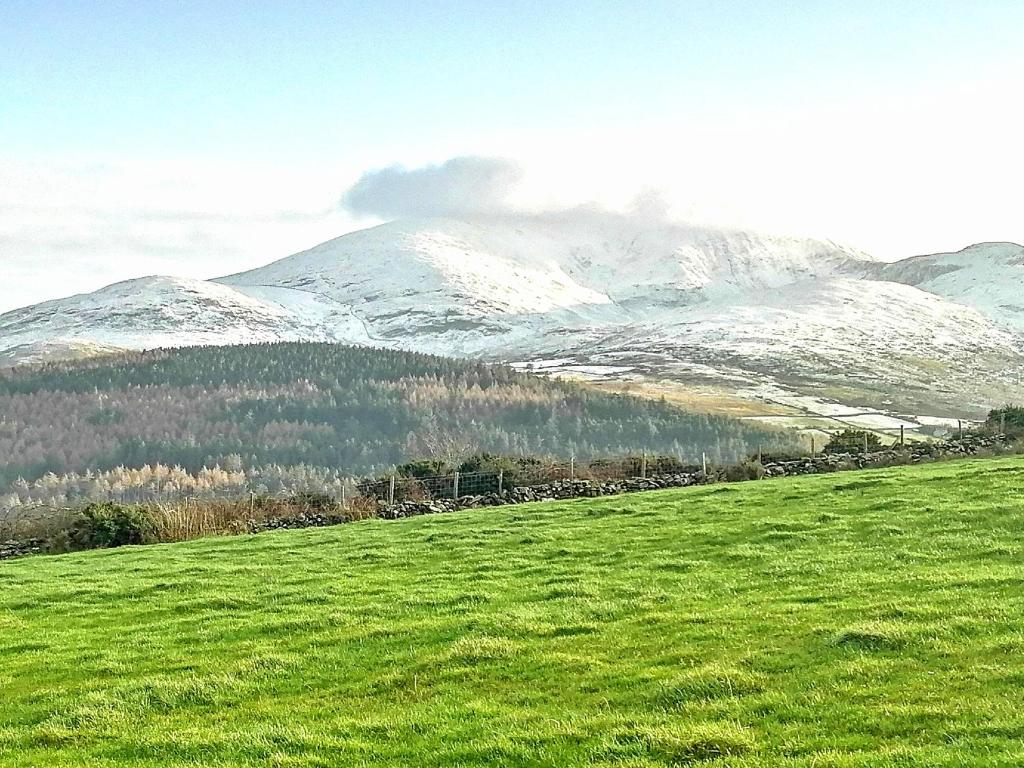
[(994, 246)]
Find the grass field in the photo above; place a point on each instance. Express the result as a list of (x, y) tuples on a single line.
[(859, 619)]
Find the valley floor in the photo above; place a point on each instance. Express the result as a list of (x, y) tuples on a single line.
[(859, 619)]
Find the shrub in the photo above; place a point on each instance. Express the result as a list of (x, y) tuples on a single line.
[(517, 470), (406, 488), (479, 473), (423, 468), (748, 470), (362, 508), (108, 524), (853, 441), (309, 502), (1009, 419)]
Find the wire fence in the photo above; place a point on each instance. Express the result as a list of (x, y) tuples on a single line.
[(396, 488), (346, 493), (175, 516), (254, 499)]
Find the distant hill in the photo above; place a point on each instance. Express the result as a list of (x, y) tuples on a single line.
[(987, 276), (278, 410)]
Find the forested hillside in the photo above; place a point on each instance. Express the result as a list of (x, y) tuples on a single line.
[(297, 411)]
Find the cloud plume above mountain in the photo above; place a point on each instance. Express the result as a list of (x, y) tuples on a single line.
[(462, 185)]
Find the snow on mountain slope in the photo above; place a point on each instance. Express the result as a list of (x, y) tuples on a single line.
[(437, 285), (529, 264), (987, 276), (456, 285), (885, 345), (168, 311), (648, 299), (831, 329)]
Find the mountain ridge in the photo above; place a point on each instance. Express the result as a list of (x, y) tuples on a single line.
[(643, 299), (944, 274)]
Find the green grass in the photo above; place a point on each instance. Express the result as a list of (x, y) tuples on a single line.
[(859, 619)]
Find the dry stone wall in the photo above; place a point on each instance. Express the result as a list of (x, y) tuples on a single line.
[(580, 488)]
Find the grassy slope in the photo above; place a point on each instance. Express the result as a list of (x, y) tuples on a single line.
[(845, 620)]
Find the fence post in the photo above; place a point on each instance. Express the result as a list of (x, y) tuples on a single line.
[(814, 446), (960, 427), (865, 442), (572, 467), (704, 463), (501, 481), (343, 494), (760, 454), (391, 491), (252, 503), (1002, 423), (643, 464), (455, 485), (903, 436)]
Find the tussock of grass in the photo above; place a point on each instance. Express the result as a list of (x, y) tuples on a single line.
[(572, 630), (779, 624), (572, 592), (681, 566), (473, 650), (708, 683), (873, 636), (703, 742), (679, 746)]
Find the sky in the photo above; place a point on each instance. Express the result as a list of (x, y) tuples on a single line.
[(199, 139)]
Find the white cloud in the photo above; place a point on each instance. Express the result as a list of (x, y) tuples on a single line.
[(461, 185)]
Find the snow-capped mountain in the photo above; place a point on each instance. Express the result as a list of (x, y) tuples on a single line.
[(596, 293), (454, 286)]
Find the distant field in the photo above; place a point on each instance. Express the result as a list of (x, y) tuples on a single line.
[(716, 400), (813, 415), (859, 619)]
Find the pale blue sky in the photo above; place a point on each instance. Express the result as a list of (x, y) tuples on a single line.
[(304, 77), (116, 114)]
